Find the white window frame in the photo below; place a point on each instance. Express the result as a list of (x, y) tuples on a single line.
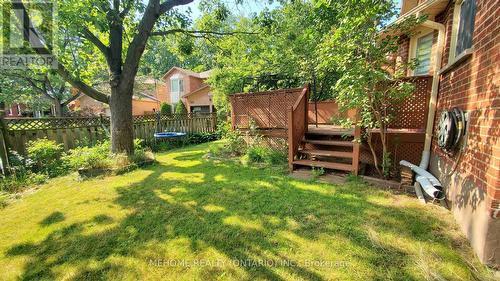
[(413, 51), (452, 56), (175, 96)]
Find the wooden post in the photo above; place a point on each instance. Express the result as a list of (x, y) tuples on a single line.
[(290, 139), (306, 109), (158, 121), (233, 117), (213, 119), (356, 150), (4, 153)]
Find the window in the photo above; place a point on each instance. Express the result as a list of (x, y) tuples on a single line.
[(465, 26), (176, 85), (176, 89), (200, 109), (423, 54)]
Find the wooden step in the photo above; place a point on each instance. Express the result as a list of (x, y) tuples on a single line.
[(328, 132), (330, 142), (324, 164), (327, 153)]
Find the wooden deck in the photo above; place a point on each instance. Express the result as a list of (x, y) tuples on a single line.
[(322, 129)]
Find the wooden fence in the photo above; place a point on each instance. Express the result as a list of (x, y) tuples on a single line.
[(74, 131)]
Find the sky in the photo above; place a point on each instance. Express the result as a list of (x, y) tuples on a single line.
[(244, 9)]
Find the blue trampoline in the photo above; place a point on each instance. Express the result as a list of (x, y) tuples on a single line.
[(167, 135)]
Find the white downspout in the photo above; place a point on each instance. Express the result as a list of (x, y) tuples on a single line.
[(424, 163), (424, 179)]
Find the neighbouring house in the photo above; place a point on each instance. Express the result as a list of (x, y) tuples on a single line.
[(177, 85), (459, 46), (15, 110), (147, 99), (19, 110), (190, 88)]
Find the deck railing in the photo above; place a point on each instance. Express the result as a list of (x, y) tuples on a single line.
[(297, 124), (267, 110)]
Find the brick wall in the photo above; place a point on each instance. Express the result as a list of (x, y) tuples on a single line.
[(473, 86)]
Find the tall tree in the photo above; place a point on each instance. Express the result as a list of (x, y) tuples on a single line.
[(119, 30), (281, 51)]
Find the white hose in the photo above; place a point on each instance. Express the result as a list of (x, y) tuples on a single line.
[(429, 183)]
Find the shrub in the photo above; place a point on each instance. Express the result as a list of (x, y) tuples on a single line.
[(96, 157), (256, 153), (141, 156), (46, 156), (203, 137), (234, 144), (180, 108), (259, 153), (19, 182), (19, 164), (138, 144), (276, 157), (317, 172), (224, 128), (165, 108)]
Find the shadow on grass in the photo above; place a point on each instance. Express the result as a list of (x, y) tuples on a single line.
[(242, 213), (55, 217)]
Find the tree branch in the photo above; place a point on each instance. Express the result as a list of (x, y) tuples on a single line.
[(169, 4), (65, 74), (200, 33), (136, 48), (87, 34), (74, 97), (126, 9)]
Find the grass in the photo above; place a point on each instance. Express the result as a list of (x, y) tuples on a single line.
[(188, 218)]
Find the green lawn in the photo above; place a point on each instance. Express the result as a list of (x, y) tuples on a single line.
[(188, 218)]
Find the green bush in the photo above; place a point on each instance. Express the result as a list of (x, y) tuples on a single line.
[(19, 182), (165, 108), (19, 164), (141, 156), (276, 157), (203, 137), (180, 108), (138, 144), (95, 157), (234, 144), (259, 153), (256, 154), (46, 156)]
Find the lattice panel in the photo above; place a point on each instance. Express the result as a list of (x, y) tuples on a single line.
[(266, 109), (412, 113), (401, 146), (53, 123)]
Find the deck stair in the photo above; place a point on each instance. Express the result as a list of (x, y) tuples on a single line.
[(329, 147)]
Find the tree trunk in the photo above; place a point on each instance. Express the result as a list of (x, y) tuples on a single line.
[(57, 107), (4, 142), (374, 154), (122, 137)]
